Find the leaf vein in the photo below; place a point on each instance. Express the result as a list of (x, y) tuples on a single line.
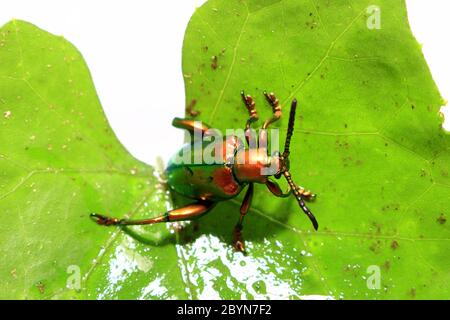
[(233, 62)]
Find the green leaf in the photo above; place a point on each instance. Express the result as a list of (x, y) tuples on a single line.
[(368, 140), (60, 161)]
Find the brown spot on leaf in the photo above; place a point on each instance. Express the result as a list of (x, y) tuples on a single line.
[(190, 109), (311, 24), (375, 246), (442, 219), (214, 62), (377, 226), (41, 287), (391, 206), (394, 245)]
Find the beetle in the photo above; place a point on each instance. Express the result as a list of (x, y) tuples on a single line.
[(208, 184)]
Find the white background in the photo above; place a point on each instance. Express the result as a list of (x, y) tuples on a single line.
[(133, 49)]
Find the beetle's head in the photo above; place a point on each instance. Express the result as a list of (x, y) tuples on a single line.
[(284, 166)]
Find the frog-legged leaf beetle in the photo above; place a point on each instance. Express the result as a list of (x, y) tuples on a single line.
[(208, 184)]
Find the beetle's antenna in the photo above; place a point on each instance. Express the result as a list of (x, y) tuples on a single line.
[(290, 129), (298, 196), (295, 189)]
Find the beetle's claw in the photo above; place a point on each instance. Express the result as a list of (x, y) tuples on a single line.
[(238, 241), (240, 246), (104, 220), (306, 194)]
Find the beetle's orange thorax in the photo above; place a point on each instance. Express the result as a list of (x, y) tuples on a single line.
[(254, 166)]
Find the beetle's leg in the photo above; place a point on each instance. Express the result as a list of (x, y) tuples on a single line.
[(185, 213), (276, 108), (190, 125), (238, 240), (251, 107), (306, 194), (253, 115), (276, 190)]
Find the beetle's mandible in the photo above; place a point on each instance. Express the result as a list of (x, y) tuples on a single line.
[(207, 184)]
